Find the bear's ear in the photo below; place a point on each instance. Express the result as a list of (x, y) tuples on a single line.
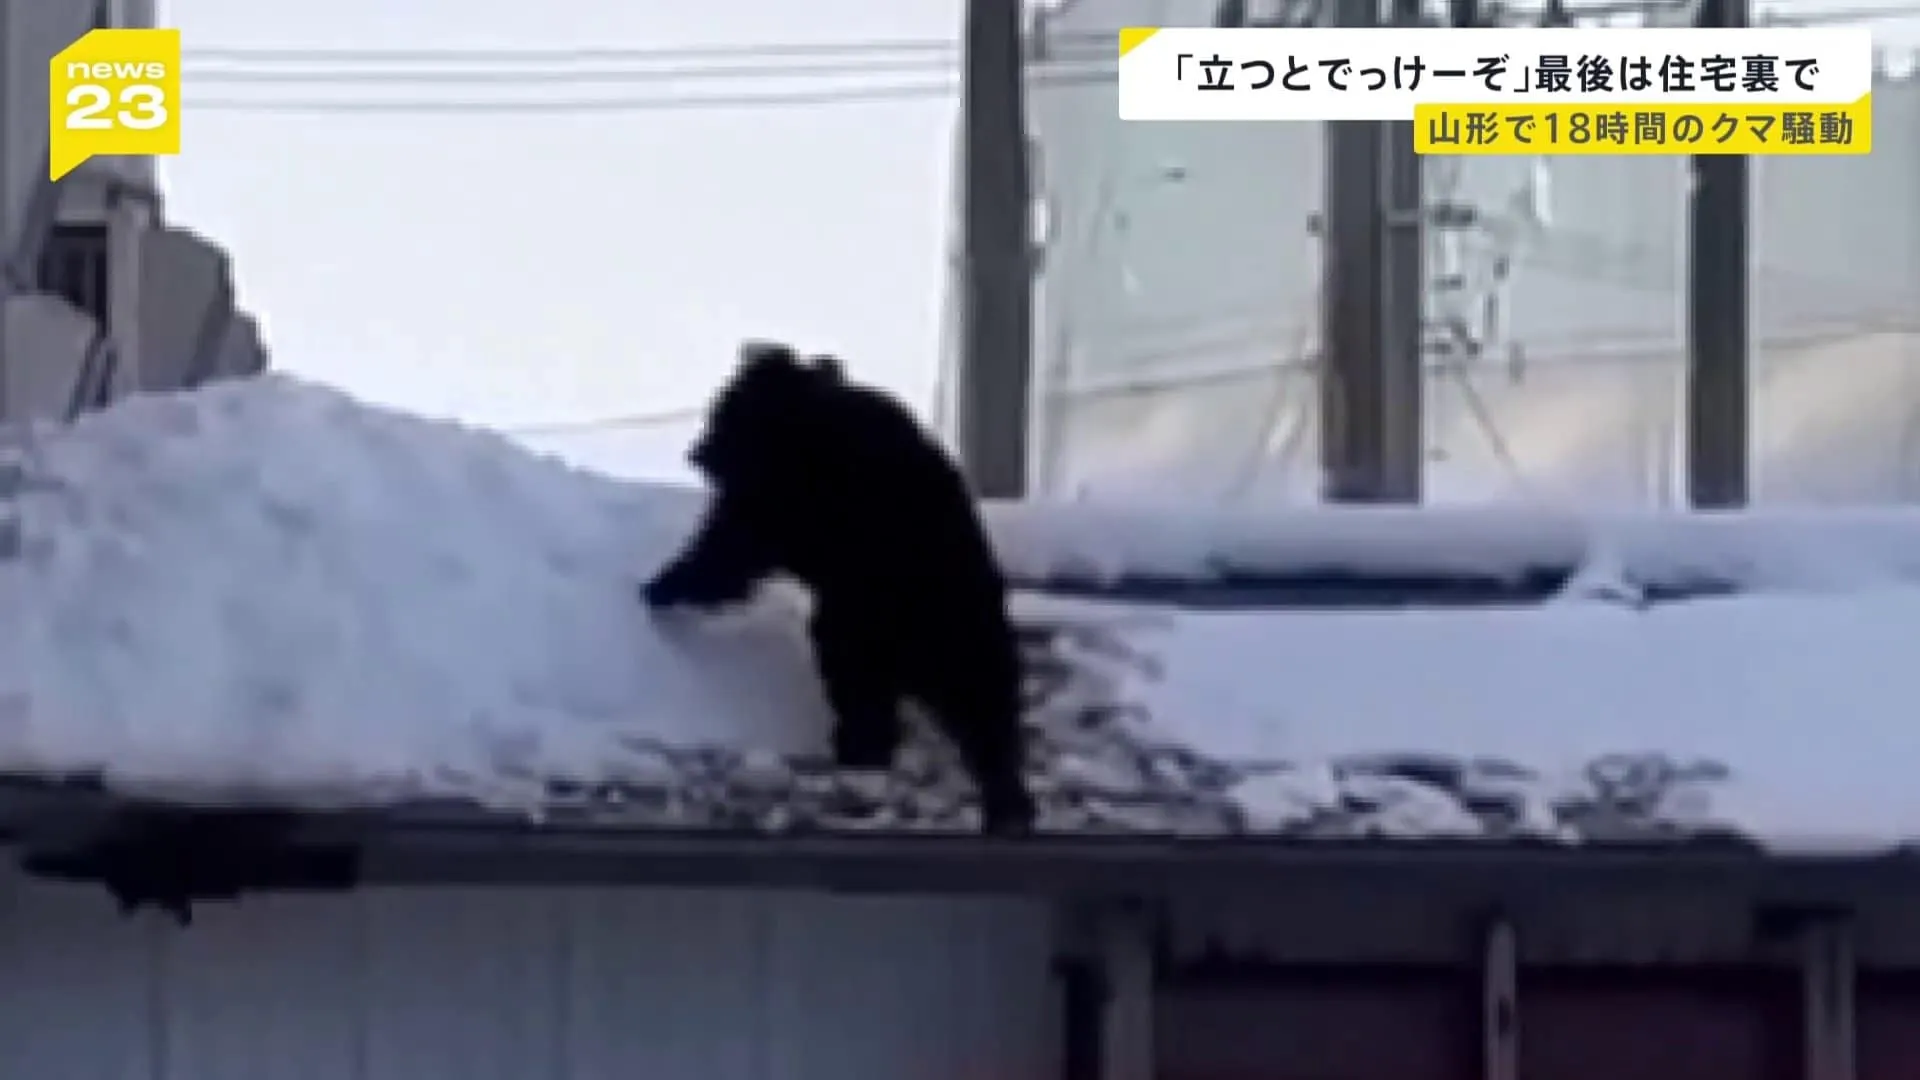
[(755, 353), (830, 367)]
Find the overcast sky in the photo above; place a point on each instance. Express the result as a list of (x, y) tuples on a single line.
[(542, 268), (516, 269)]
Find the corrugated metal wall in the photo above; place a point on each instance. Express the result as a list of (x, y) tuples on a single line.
[(1179, 292), (527, 985)]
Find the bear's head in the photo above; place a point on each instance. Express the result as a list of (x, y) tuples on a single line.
[(761, 416)]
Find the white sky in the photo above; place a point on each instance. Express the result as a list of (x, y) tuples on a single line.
[(513, 269), (529, 269)]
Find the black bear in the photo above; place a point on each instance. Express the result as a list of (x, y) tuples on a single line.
[(840, 487)]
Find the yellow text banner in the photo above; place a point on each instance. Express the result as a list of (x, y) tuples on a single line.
[(1644, 128)]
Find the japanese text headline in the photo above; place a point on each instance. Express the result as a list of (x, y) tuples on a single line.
[(1384, 74)]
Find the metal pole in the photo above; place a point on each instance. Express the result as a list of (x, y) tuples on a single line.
[(10, 213), (992, 388), (1350, 298), (1373, 301), (1718, 403), (1404, 304)]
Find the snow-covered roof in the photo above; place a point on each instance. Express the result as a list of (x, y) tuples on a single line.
[(269, 592), (1156, 550)]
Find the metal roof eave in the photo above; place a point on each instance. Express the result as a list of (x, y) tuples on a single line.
[(458, 845), (1070, 867)]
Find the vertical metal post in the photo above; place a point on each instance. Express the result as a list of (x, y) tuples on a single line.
[(992, 387), (1350, 298), (1827, 979), (1373, 304), (1404, 305), (10, 213), (1718, 398), (1499, 1003), (1127, 960)]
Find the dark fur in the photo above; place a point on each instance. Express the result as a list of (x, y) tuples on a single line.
[(840, 487)]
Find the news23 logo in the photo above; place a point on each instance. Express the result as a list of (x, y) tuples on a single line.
[(113, 92)]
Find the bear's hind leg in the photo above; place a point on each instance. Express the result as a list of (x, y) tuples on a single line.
[(863, 688), (998, 766), (982, 716)]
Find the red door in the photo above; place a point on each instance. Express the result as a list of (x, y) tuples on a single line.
[(1654, 1024), (1339, 1024), (1886, 1034)]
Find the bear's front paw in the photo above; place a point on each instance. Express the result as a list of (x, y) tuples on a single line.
[(674, 590), (659, 593)]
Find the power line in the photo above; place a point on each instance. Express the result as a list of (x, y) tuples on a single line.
[(660, 103), (1141, 372), (925, 48), (845, 95), (1230, 330), (600, 424), (774, 50), (818, 61), (758, 70), (1786, 16), (437, 76), (595, 425), (849, 57)]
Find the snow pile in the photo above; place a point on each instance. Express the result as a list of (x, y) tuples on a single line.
[(1094, 763), (1778, 718), (267, 591), (266, 586)]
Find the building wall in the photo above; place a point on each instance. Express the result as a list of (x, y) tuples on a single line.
[(32, 33), (1324, 983), (1325, 1027), (1674, 982), (172, 318), (1178, 308), (39, 358), (1650, 1024), (580, 984)]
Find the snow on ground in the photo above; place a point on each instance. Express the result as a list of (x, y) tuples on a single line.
[(268, 590)]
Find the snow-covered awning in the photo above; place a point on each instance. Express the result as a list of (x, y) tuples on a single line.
[(270, 594), (1439, 555)]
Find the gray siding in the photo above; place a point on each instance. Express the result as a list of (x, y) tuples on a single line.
[(527, 985), (171, 317), (32, 31)]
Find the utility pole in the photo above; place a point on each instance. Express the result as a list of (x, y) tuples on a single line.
[(992, 387), (1404, 298), (1373, 303), (1718, 398)]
